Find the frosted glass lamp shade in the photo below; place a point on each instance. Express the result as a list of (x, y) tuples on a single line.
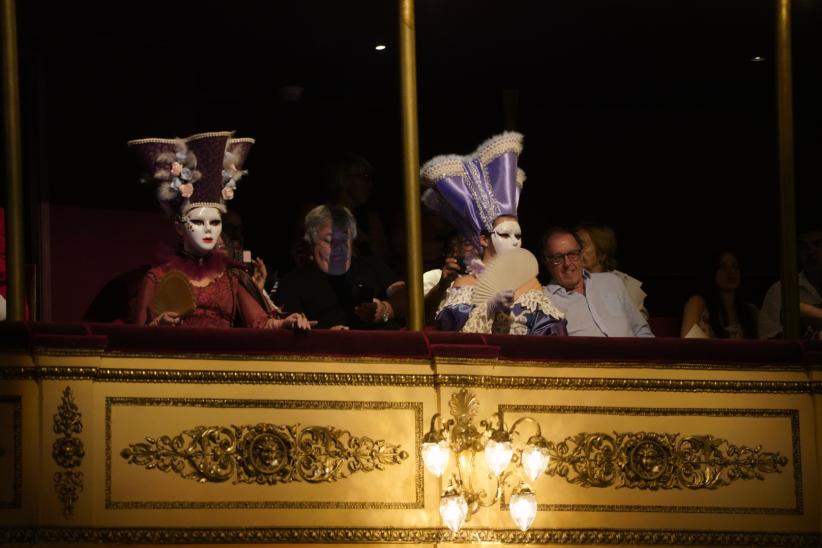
[(498, 455), (453, 510), (436, 456), (523, 507), (534, 461)]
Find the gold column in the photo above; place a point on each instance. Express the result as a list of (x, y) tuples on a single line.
[(787, 199), (14, 166), (411, 165)]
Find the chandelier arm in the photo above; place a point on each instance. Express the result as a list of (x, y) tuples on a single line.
[(493, 500), (525, 419), (436, 417)]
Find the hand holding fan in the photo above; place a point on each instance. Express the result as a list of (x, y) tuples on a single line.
[(508, 271), (174, 294)]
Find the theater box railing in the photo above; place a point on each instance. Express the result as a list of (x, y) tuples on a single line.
[(119, 434)]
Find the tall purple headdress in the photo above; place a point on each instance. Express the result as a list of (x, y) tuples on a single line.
[(472, 191)]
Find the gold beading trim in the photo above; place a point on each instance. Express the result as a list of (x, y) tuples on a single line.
[(416, 407), (16, 452), (437, 360), (451, 165), (428, 536), (208, 134), (105, 374), (165, 140), (68, 452), (796, 457)]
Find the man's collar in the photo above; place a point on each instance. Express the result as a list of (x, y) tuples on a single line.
[(553, 287)]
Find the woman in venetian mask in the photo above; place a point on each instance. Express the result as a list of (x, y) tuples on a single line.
[(195, 177), (479, 195)]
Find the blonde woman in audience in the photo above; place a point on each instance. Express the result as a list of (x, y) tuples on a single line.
[(599, 248)]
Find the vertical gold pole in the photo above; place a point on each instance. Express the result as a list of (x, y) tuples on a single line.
[(16, 308), (411, 165), (787, 199)]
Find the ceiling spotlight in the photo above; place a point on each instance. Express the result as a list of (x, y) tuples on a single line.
[(379, 47), (757, 59)]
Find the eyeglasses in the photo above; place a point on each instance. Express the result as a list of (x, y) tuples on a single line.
[(572, 256)]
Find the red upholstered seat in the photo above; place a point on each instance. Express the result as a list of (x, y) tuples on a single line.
[(665, 326)]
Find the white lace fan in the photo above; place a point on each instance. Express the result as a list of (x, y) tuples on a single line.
[(509, 270)]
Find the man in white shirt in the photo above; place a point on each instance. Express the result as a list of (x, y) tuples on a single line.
[(810, 292), (595, 304)]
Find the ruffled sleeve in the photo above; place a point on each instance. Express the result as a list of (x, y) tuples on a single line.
[(533, 313), (455, 309)]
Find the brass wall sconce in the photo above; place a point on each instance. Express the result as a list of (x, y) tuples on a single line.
[(506, 464)]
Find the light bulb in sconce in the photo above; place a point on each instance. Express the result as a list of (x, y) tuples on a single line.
[(523, 506), (436, 455), (498, 452), (436, 451), (453, 508), (535, 460)]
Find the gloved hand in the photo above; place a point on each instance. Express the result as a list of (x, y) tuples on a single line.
[(501, 302)]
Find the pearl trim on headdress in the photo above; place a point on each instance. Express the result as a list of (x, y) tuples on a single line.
[(451, 165)]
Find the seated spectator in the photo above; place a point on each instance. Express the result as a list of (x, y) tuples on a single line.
[(436, 282), (599, 248), (349, 183), (595, 304), (810, 291), (337, 289), (117, 300), (718, 311)]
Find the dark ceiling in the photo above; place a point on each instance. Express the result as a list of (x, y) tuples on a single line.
[(649, 115)]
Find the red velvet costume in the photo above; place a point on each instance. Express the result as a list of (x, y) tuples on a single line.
[(225, 302)]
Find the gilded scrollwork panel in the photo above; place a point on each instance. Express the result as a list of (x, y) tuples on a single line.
[(11, 452), (68, 452), (281, 455), (670, 461)]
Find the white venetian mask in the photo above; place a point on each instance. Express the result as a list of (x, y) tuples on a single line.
[(506, 235), (201, 230)]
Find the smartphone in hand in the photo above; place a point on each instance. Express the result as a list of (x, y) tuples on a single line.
[(365, 294)]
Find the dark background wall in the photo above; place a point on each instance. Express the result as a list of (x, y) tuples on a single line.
[(649, 116)]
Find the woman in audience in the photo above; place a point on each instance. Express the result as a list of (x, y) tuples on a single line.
[(718, 311), (195, 177), (479, 195), (599, 247)]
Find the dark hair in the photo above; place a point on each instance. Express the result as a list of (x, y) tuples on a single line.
[(553, 231), (605, 241), (452, 241), (716, 312), (337, 168)]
